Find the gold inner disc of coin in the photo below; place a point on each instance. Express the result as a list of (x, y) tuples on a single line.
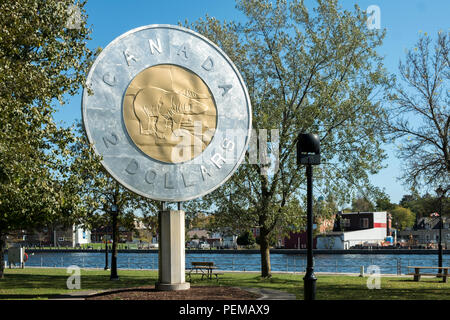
[(169, 113)]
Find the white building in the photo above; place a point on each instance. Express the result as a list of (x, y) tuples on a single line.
[(356, 228), (80, 236), (229, 241)]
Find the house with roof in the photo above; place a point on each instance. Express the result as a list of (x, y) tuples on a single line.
[(425, 232), (57, 236), (356, 229)]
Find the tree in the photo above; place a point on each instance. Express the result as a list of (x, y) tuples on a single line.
[(306, 71), (150, 221), (384, 204), (420, 116), (106, 201), (42, 58), (422, 206), (246, 239), (402, 217), (362, 205)]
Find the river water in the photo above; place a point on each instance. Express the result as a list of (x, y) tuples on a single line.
[(343, 263)]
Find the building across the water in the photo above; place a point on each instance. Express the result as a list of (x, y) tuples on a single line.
[(357, 229), (425, 232), (57, 236)]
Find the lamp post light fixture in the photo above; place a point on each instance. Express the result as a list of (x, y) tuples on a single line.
[(308, 153)]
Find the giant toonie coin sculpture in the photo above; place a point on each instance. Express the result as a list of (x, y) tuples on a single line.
[(168, 112)]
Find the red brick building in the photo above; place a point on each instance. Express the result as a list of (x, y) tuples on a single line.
[(298, 240)]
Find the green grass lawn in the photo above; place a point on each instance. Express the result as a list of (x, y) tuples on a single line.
[(44, 283)]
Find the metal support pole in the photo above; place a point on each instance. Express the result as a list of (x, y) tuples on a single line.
[(441, 194), (440, 240), (115, 237), (106, 251), (310, 279)]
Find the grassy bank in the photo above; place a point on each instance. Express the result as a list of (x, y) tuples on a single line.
[(44, 283)]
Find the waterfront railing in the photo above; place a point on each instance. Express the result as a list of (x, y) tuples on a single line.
[(391, 265)]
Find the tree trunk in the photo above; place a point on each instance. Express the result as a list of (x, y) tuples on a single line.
[(265, 254), (2, 253)]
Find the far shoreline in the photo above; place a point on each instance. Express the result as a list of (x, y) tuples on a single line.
[(389, 251)]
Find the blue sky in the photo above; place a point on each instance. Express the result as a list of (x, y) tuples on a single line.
[(402, 19)]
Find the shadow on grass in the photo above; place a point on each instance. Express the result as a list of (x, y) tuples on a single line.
[(29, 281), (422, 280), (27, 296), (44, 284), (392, 289), (249, 280), (110, 292), (288, 283), (39, 285)]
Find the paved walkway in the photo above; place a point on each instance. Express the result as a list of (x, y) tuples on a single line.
[(76, 295), (271, 294), (266, 294)]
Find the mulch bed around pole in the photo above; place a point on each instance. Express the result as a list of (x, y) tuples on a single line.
[(194, 293)]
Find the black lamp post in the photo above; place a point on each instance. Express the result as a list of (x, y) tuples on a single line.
[(440, 192), (308, 153), (114, 275), (106, 249)]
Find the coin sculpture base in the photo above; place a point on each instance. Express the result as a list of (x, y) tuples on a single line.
[(171, 273)]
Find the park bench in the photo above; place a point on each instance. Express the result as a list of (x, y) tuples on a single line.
[(417, 274), (205, 268)]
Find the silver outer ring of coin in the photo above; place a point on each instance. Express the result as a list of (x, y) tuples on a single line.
[(109, 77)]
